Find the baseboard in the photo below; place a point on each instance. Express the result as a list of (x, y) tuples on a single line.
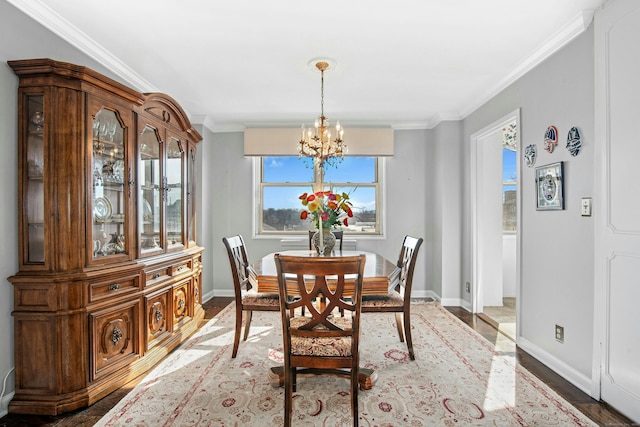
[(4, 404), (567, 372)]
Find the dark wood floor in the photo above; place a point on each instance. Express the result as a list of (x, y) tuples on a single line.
[(599, 412)]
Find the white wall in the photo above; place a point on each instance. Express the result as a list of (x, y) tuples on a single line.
[(557, 246), (509, 253)]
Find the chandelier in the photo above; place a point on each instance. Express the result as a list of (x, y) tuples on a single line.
[(317, 143)]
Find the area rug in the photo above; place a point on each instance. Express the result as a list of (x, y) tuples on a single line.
[(458, 378)]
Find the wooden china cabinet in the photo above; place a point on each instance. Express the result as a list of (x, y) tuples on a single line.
[(109, 276)]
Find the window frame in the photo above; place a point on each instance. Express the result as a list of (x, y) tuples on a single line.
[(259, 185)]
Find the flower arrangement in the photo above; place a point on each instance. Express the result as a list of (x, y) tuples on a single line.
[(332, 209)]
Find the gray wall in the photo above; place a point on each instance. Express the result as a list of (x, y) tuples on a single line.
[(228, 207), (557, 246)]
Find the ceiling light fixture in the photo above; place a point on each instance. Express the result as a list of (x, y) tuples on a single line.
[(318, 144)]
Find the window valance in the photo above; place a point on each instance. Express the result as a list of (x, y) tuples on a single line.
[(282, 141)]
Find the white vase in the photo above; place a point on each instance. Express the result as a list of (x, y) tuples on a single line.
[(328, 240)]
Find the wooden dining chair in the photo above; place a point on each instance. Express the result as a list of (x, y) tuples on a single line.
[(338, 233), (321, 342), (246, 298), (399, 299)]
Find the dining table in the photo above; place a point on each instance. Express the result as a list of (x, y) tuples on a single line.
[(380, 277)]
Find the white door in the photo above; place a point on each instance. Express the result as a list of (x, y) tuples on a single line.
[(617, 213)]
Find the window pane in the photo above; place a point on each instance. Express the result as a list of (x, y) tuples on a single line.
[(287, 169), (282, 208), (352, 169)]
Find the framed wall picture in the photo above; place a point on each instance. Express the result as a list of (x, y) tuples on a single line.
[(549, 187)]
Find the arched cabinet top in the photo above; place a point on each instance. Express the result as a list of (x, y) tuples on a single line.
[(166, 109)]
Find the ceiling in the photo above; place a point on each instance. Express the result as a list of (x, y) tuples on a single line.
[(233, 64)]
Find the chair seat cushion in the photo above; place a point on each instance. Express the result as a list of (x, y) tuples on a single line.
[(320, 346), (265, 300), (392, 300)]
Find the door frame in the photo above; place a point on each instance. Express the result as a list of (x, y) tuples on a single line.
[(476, 285)]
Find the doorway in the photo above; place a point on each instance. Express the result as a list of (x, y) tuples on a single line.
[(495, 172)]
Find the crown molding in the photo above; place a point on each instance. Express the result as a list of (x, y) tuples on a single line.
[(557, 41), (44, 15)]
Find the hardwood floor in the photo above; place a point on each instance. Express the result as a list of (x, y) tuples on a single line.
[(599, 412)]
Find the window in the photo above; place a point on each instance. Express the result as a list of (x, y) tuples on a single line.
[(280, 180), (509, 191)]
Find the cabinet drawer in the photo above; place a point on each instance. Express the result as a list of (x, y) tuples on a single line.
[(197, 263), (115, 338), (156, 276), (181, 268), (116, 287)]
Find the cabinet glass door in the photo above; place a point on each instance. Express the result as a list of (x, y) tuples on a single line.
[(191, 194), (174, 191), (149, 194), (109, 201), (35, 180)]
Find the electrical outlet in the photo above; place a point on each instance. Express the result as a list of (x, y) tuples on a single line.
[(586, 206), (467, 287), (560, 333)]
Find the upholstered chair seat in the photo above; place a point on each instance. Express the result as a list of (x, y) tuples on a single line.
[(321, 346)]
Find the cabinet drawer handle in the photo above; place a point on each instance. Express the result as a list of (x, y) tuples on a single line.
[(158, 314), (116, 335), (156, 275), (114, 287)]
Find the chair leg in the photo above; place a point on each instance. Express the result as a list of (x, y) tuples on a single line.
[(354, 396), (399, 326), (288, 396), (247, 324), (236, 336), (407, 333)]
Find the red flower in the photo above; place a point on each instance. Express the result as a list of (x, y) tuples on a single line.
[(350, 213), (304, 215), (345, 222), (311, 197)]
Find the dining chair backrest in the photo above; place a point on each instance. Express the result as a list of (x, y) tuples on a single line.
[(238, 260), (407, 263), (324, 342), (303, 280), (338, 233)]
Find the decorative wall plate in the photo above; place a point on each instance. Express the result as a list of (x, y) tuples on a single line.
[(574, 141), (550, 139), (530, 155)]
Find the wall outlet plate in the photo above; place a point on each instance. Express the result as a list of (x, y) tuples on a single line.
[(586, 206)]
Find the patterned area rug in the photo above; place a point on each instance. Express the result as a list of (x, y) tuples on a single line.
[(458, 378)]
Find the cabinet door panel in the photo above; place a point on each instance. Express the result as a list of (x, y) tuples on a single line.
[(34, 179), (110, 174), (174, 191), (150, 185), (115, 337), (158, 317), (182, 304)]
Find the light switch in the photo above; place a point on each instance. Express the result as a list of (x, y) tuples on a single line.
[(586, 206)]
